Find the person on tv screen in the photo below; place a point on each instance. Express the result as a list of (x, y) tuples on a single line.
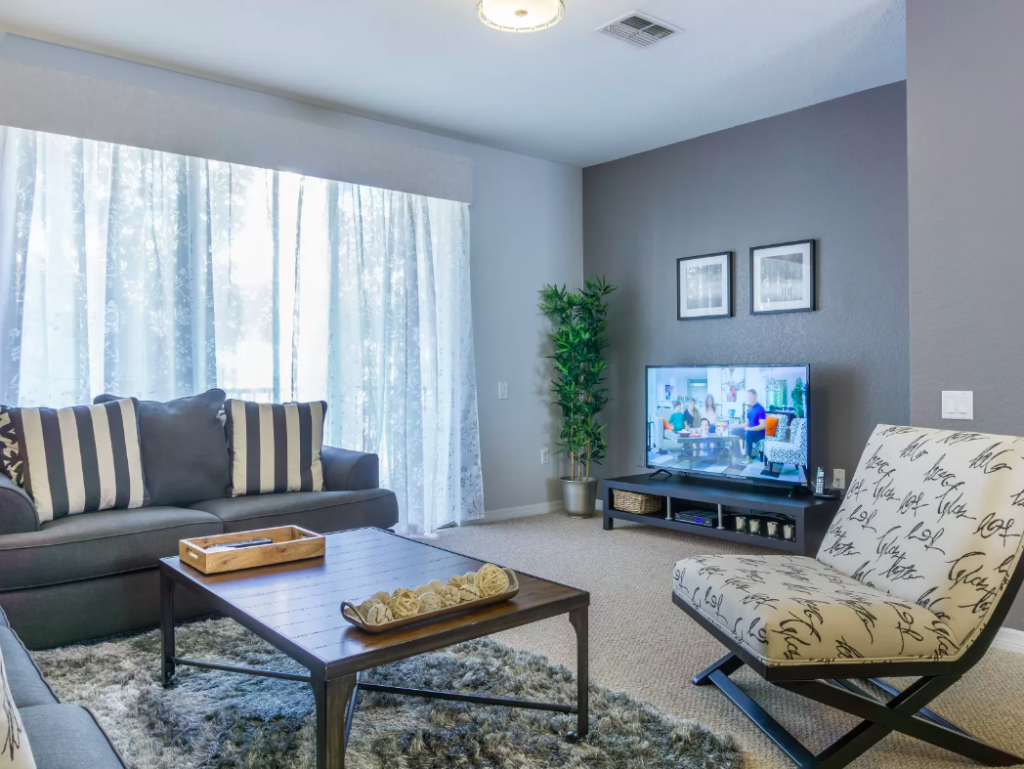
[(756, 418), (676, 418), (691, 417), (710, 411)]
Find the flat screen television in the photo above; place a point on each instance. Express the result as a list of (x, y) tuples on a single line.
[(741, 422)]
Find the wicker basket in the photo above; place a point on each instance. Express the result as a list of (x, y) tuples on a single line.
[(632, 502)]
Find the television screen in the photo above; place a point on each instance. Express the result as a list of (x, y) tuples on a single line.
[(741, 422)]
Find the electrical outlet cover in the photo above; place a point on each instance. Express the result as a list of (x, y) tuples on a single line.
[(838, 478)]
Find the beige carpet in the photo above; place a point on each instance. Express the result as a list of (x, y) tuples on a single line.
[(641, 643)]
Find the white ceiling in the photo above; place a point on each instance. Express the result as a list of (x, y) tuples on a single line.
[(567, 93)]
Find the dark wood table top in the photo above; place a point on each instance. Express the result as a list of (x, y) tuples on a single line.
[(297, 606)]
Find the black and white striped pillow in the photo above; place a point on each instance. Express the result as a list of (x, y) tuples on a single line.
[(80, 459), (275, 447)]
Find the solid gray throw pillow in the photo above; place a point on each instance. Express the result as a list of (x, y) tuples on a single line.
[(184, 449)]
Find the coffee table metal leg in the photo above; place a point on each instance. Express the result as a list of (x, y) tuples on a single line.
[(167, 627), (332, 699), (578, 618)]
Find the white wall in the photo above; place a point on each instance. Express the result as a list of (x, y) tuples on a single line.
[(526, 220)]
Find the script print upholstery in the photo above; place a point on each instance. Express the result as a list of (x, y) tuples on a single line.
[(791, 610), (934, 517), (931, 526)]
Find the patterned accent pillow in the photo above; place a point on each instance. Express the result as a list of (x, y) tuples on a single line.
[(15, 752), (10, 458), (275, 447), (80, 459)]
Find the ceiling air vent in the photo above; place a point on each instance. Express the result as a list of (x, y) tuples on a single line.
[(638, 29)]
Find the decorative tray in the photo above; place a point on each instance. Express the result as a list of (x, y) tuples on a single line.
[(213, 555), (357, 614)]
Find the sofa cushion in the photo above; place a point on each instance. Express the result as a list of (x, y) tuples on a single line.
[(319, 511), (27, 685), (98, 544), (275, 447), (68, 737), (184, 449), (792, 610), (80, 459)]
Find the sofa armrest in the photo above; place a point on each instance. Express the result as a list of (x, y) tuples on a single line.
[(17, 510), (346, 470)]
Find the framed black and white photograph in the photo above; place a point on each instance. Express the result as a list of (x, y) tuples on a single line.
[(704, 286), (782, 278)]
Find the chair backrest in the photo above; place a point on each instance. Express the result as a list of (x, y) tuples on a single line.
[(798, 432), (782, 428), (934, 517)]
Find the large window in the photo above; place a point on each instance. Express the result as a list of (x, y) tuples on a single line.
[(144, 273)]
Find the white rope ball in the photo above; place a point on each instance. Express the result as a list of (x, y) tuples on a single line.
[(491, 580), (469, 593), (421, 589), (381, 597), (379, 614), (404, 603), (449, 595), (457, 581), (435, 586), (430, 602)]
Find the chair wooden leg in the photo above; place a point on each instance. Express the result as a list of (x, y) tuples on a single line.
[(905, 713), (901, 714), (729, 664)]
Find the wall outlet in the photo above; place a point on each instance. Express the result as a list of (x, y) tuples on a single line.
[(641, 460), (545, 456), (958, 404), (838, 478), (503, 391)]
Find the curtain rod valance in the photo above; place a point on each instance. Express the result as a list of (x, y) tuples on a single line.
[(55, 101)]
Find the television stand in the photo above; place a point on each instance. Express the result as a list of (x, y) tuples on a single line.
[(810, 516)]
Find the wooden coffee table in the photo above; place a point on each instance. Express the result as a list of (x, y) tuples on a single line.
[(296, 608)]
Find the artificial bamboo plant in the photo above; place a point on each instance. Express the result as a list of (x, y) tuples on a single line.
[(581, 318)]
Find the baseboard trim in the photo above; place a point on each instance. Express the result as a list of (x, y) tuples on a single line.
[(525, 511), (1009, 640)]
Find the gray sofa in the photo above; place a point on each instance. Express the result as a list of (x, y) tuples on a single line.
[(61, 736), (94, 574)]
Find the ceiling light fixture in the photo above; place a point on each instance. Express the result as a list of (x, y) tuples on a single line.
[(520, 15)]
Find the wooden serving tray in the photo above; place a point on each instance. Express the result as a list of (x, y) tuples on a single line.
[(290, 543), (351, 612)]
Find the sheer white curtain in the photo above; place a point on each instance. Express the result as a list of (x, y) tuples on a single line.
[(145, 273)]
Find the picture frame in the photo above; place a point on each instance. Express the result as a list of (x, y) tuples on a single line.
[(782, 278), (704, 286)]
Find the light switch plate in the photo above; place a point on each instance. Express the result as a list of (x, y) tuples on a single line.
[(838, 478), (503, 391), (958, 404)]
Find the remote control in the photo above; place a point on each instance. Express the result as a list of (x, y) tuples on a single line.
[(246, 543)]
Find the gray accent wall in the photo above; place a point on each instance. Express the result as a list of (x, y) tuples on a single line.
[(965, 67), (965, 114), (836, 172)]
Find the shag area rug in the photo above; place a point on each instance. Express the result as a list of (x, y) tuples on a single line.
[(217, 720)]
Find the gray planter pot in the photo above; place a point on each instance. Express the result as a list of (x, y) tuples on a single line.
[(580, 497)]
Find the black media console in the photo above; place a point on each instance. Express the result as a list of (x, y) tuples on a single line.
[(809, 516)]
